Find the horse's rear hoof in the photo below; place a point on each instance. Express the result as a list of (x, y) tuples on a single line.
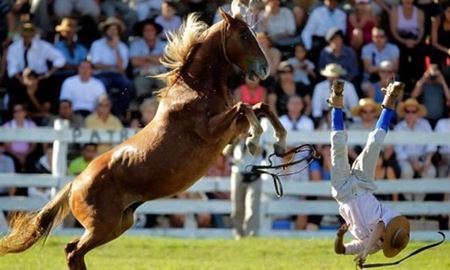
[(252, 147), (279, 149)]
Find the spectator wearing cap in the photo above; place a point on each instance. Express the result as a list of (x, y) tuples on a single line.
[(360, 23), (67, 44), (337, 52), (29, 51), (278, 22), (321, 20), (145, 54), (110, 58), (385, 74), (115, 8), (322, 91), (377, 51), (414, 160), (168, 19)]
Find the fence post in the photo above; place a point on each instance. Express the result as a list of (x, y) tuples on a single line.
[(59, 158)]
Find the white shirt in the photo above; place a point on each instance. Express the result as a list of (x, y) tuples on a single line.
[(279, 24), (363, 213), (102, 53), (38, 54), (405, 151), (443, 125), (303, 123), (322, 93), (83, 95), (320, 21)]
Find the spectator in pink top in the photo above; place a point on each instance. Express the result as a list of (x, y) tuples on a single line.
[(251, 92)]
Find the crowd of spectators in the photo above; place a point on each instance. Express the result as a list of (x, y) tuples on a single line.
[(89, 61)]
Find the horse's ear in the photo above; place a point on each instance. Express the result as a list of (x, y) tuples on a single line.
[(226, 17)]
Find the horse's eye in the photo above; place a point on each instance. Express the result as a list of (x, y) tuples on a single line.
[(243, 36)]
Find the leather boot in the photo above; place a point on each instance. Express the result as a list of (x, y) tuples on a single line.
[(336, 98), (391, 94)]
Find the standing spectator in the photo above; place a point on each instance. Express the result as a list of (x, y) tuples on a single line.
[(116, 8), (88, 153), (251, 92), (407, 27), (168, 19), (437, 95), (337, 52), (145, 54), (245, 191), (103, 119), (6, 166), (374, 53), (73, 51), (110, 58), (303, 68), (443, 125), (29, 51), (360, 23), (414, 160), (322, 91), (440, 37), (43, 165), (321, 20), (21, 151), (278, 22), (83, 90)]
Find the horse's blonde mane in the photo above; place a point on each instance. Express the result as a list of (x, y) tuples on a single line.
[(180, 44)]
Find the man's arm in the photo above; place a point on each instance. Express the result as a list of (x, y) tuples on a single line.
[(339, 247), (375, 240)]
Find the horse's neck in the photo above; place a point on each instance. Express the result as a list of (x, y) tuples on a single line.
[(208, 69)]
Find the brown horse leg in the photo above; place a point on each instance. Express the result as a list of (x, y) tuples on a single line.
[(280, 131)]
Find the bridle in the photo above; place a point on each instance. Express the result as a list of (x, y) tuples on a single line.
[(224, 43)]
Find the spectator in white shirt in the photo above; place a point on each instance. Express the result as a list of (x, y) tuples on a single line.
[(31, 52), (414, 160), (168, 19), (110, 58), (321, 20), (147, 8), (83, 90), (321, 91), (443, 125)]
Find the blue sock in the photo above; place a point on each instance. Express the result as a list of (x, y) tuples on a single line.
[(385, 119), (337, 119)]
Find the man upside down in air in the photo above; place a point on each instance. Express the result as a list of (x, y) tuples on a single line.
[(372, 224)]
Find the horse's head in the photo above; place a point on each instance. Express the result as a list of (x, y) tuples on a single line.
[(241, 48)]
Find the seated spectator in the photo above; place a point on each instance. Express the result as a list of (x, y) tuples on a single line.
[(146, 9), (40, 112), (360, 22), (440, 37), (443, 125), (414, 160), (251, 92), (145, 54), (110, 58), (303, 68), (322, 91), (147, 111), (437, 95), (65, 112), (43, 165), (320, 21), (168, 19), (116, 8), (20, 151), (83, 90), (65, 8), (337, 52), (286, 87), (386, 72), (278, 22), (88, 153), (66, 42), (29, 51), (384, 171), (103, 119), (6, 166), (407, 25), (374, 53)]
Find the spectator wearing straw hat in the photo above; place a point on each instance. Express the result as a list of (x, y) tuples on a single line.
[(145, 54), (110, 58), (31, 52), (414, 160), (337, 52), (67, 44), (321, 91), (115, 8)]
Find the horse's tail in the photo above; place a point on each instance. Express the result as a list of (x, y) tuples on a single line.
[(27, 228)]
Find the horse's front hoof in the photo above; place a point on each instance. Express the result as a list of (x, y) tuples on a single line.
[(279, 149), (252, 147)]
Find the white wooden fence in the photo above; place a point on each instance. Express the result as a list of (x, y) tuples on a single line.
[(61, 136)]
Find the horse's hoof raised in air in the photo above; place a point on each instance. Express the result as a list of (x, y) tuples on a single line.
[(279, 149), (251, 146)]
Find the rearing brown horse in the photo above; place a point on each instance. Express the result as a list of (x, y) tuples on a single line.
[(195, 120)]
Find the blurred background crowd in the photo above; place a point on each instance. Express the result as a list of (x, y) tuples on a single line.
[(91, 62)]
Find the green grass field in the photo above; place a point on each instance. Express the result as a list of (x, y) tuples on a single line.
[(139, 253)]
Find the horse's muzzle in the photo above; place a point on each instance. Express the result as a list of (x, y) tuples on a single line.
[(260, 69)]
